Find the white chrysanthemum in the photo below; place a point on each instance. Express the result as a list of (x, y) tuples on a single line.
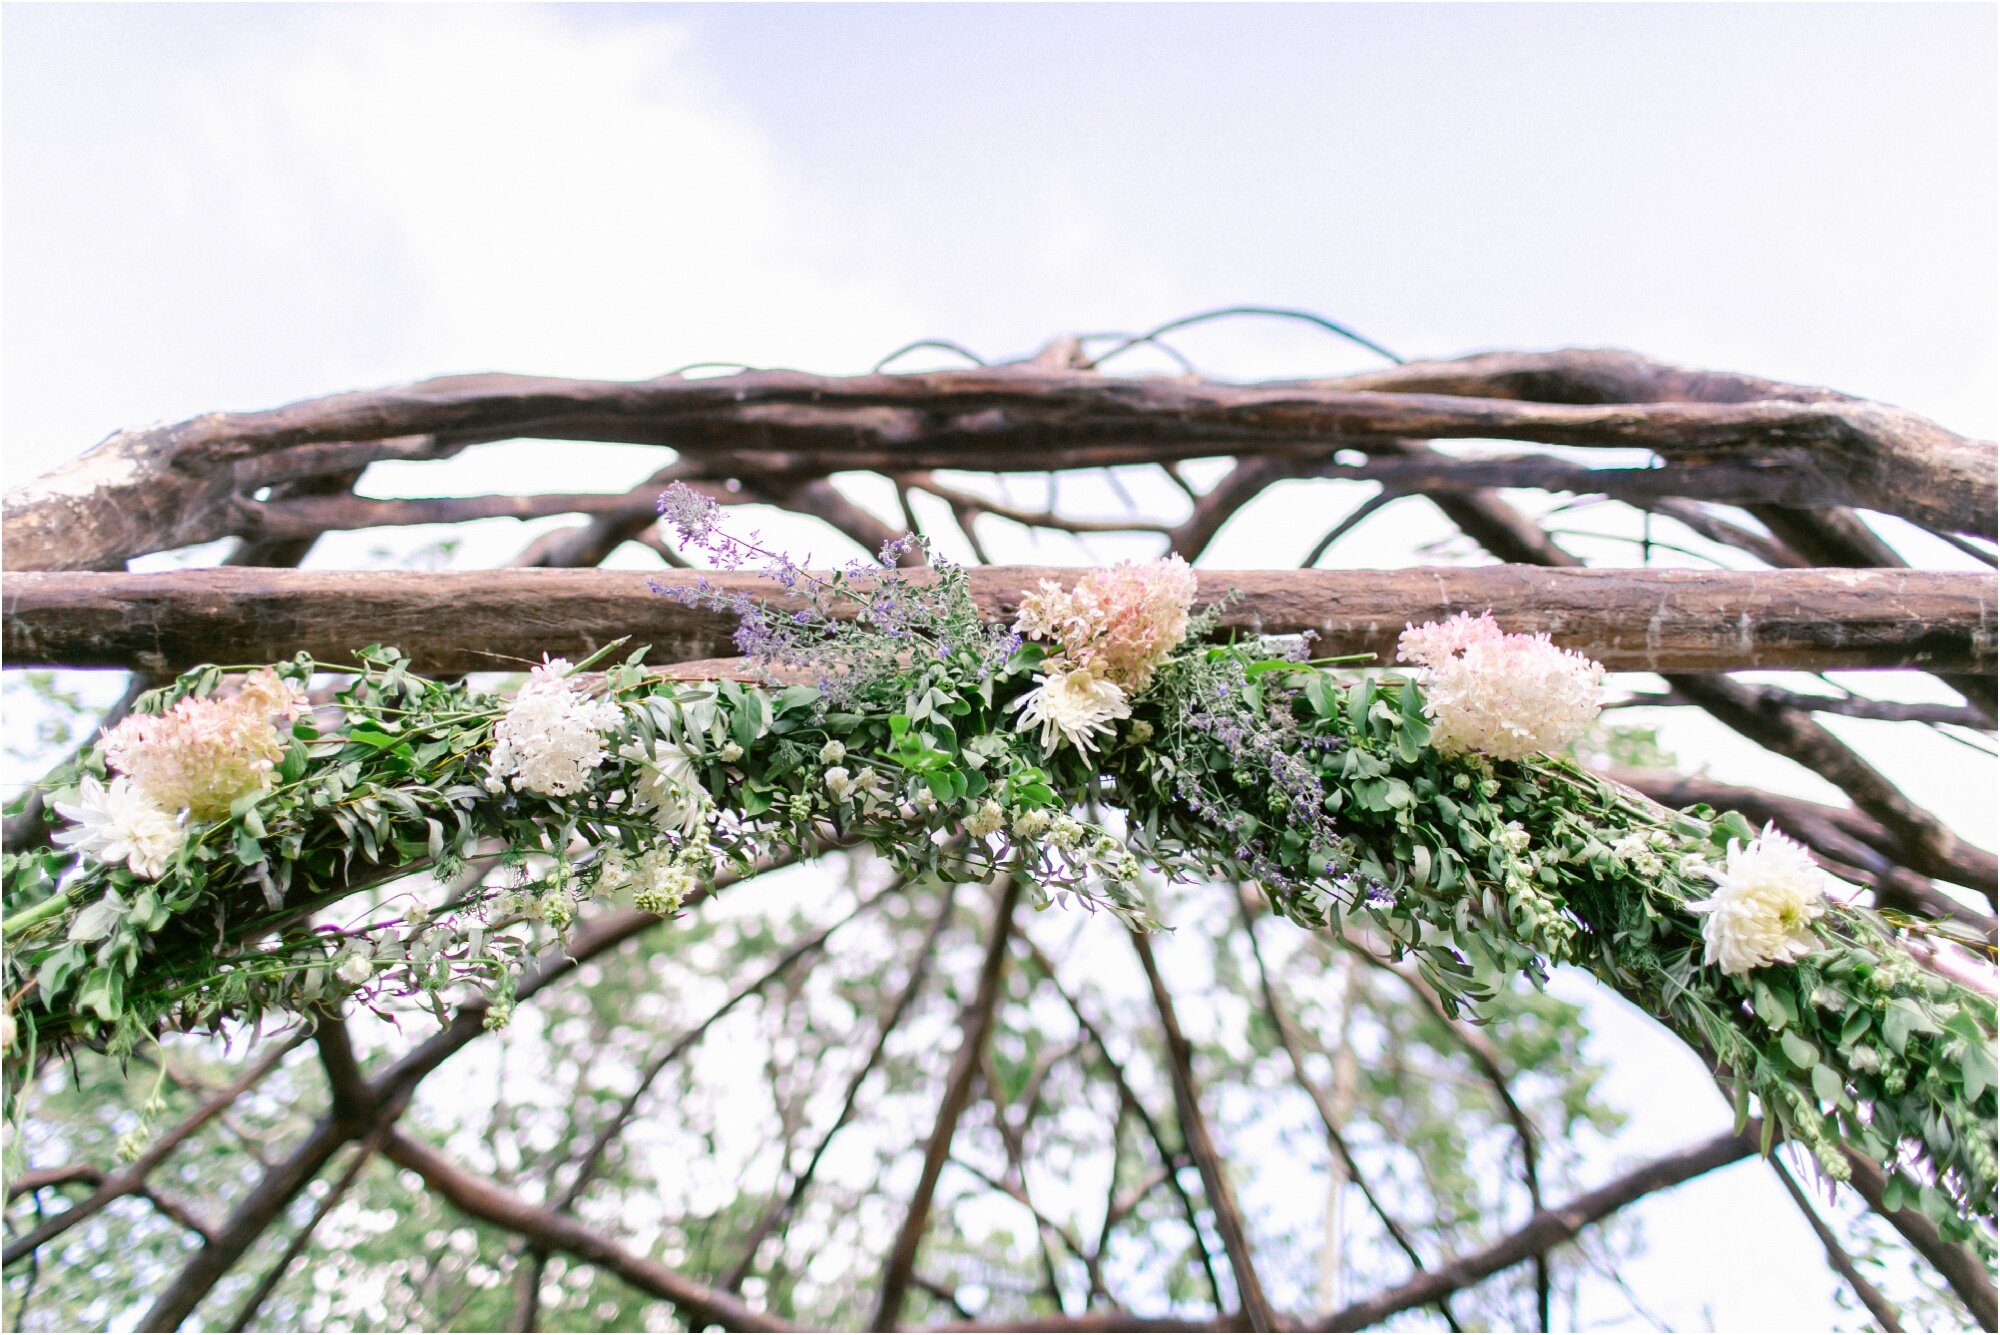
[(120, 824), (1505, 696), (552, 735), (1072, 707), (1767, 895), (667, 785)]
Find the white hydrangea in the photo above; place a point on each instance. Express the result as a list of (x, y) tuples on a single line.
[(1505, 696), (1071, 707), (1767, 895), (667, 785), (120, 823), (552, 736)]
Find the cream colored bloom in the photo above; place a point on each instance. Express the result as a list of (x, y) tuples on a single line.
[(1767, 895), (1505, 696), (1636, 850), (120, 824), (1030, 823), (840, 785), (1073, 707), (661, 879), (832, 753), (988, 819), (354, 969)]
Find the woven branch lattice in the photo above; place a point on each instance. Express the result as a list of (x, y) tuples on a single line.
[(1790, 458)]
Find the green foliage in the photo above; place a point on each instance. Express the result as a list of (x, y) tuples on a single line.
[(1238, 763)]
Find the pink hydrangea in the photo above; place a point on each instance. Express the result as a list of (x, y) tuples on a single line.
[(1505, 696), (207, 751), (1118, 623)]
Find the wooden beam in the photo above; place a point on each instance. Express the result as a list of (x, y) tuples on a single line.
[(460, 621)]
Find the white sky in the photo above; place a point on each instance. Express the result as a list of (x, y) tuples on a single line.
[(236, 206)]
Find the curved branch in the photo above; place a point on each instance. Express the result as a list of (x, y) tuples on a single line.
[(1545, 1230), (550, 1231)]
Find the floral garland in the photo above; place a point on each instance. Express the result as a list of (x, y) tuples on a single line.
[(203, 839)]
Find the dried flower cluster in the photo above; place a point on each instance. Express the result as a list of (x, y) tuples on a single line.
[(1111, 632), (207, 751), (1504, 696), (1118, 623), (1767, 894), (552, 736)]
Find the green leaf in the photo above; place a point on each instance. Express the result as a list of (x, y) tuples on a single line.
[(248, 851), (148, 913), (1799, 1050), (1774, 1008), (1978, 1070), (56, 969), (1827, 1084), (96, 920), (1903, 1018), (1357, 704)]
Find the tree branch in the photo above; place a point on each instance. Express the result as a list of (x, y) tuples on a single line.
[(1194, 1131), (161, 487), (975, 1025), (546, 1229), (1545, 1230)]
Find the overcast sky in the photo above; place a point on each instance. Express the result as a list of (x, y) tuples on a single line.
[(236, 206)]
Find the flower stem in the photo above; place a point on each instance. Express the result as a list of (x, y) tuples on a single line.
[(28, 917)]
